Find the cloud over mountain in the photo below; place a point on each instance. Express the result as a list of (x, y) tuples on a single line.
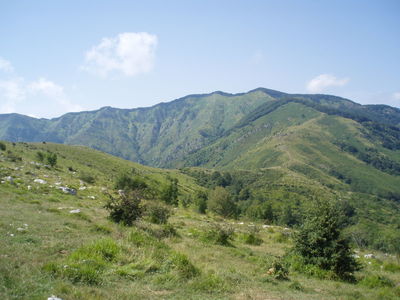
[(129, 53), (324, 81)]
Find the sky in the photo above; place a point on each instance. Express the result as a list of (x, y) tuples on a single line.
[(63, 56)]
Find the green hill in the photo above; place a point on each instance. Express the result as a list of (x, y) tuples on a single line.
[(58, 242), (277, 148)]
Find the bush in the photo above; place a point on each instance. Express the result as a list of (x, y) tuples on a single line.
[(319, 241), (169, 194), (376, 281), (251, 237), (200, 202), (221, 202), (220, 235), (279, 270), (182, 265), (87, 178), (157, 213), (40, 156), (51, 159), (3, 146), (127, 183), (125, 209)]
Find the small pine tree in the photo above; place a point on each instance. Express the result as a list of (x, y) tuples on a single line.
[(3, 146), (320, 242)]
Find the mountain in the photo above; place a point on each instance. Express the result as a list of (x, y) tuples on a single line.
[(306, 138), (166, 133)]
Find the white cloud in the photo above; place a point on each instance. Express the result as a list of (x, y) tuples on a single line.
[(324, 81), (396, 96), (54, 92), (13, 91), (131, 53), (5, 65)]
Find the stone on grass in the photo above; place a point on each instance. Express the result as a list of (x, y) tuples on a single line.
[(67, 190), (38, 180), (75, 211)]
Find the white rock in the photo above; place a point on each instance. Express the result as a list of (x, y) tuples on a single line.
[(20, 229), (57, 183), (67, 190), (82, 188), (240, 223), (11, 234), (29, 187), (370, 255), (41, 181), (91, 197), (52, 297), (9, 179), (75, 211)]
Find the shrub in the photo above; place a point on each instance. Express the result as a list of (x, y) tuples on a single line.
[(157, 213), (40, 156), (169, 194), (376, 281), (319, 241), (251, 237), (87, 178), (200, 202), (125, 209), (279, 270), (127, 183), (217, 234), (221, 202), (182, 265), (51, 159), (3, 146)]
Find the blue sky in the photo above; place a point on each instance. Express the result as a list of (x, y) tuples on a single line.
[(60, 56)]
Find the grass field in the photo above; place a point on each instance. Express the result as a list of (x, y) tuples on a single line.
[(47, 249)]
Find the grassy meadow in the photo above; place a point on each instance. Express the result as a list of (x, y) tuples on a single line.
[(56, 243)]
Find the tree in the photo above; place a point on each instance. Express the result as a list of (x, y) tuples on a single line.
[(320, 242), (220, 201), (51, 159), (125, 209), (200, 202), (3, 146), (169, 194), (268, 213), (127, 183)]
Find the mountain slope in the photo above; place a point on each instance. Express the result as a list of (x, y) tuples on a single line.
[(56, 243), (170, 131), (319, 140)]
